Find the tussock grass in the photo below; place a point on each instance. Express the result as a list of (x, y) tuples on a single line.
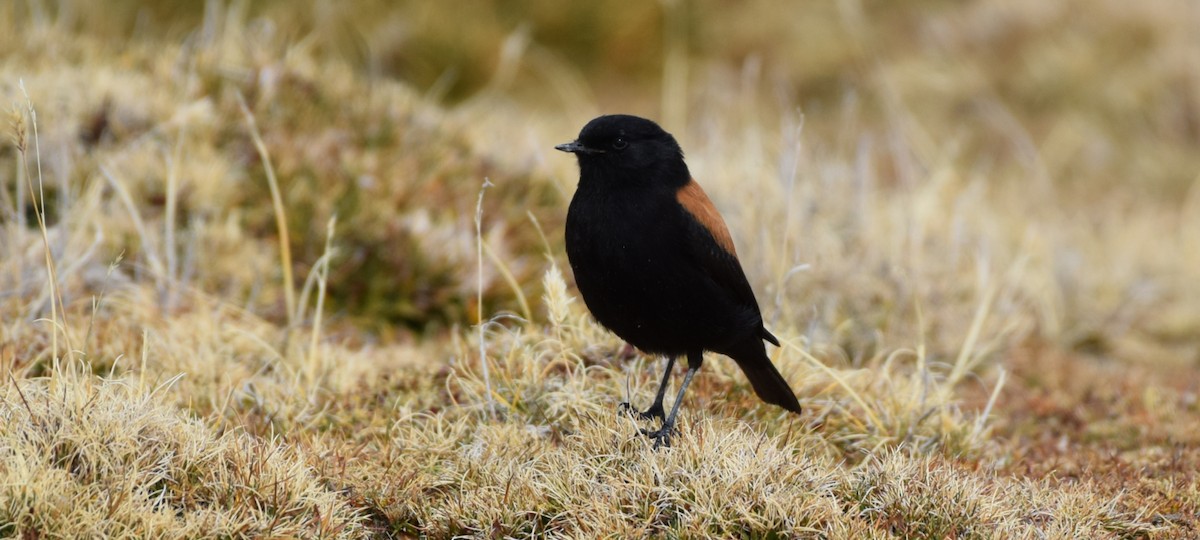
[(89, 458), (983, 270)]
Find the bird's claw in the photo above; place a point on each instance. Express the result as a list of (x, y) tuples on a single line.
[(652, 413), (661, 437)]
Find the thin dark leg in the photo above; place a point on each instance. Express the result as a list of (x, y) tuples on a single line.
[(662, 437), (655, 410)]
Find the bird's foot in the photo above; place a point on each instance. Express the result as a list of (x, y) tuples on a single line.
[(655, 411), (661, 436)]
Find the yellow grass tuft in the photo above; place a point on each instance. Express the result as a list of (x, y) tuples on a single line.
[(106, 459)]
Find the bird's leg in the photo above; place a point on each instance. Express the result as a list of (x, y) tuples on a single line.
[(655, 410), (662, 437)]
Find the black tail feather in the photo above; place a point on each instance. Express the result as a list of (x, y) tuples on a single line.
[(771, 386), (768, 383), (767, 335)]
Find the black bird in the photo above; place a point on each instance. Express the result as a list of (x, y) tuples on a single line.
[(655, 262)]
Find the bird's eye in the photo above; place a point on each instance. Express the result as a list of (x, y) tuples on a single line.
[(619, 144)]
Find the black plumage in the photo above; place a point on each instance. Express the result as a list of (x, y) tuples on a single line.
[(655, 263)]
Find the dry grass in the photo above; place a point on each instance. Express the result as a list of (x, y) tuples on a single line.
[(94, 459), (239, 287)]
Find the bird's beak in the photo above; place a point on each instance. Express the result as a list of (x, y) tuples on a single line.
[(575, 147)]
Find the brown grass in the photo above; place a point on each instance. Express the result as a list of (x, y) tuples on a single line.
[(973, 226)]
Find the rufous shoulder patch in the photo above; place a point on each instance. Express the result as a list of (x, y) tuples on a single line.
[(697, 203)]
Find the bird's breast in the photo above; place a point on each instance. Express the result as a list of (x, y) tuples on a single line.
[(609, 228)]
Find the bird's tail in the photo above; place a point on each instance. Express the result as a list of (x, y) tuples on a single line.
[(767, 382)]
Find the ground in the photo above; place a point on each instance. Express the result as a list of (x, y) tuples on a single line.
[(296, 270)]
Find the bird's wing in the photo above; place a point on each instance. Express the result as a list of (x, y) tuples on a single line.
[(711, 245)]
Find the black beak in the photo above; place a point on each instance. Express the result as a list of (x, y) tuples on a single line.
[(575, 147)]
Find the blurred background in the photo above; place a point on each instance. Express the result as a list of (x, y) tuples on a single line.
[(1109, 87), (1058, 138)]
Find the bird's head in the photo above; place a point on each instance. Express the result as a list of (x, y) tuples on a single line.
[(627, 146)]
